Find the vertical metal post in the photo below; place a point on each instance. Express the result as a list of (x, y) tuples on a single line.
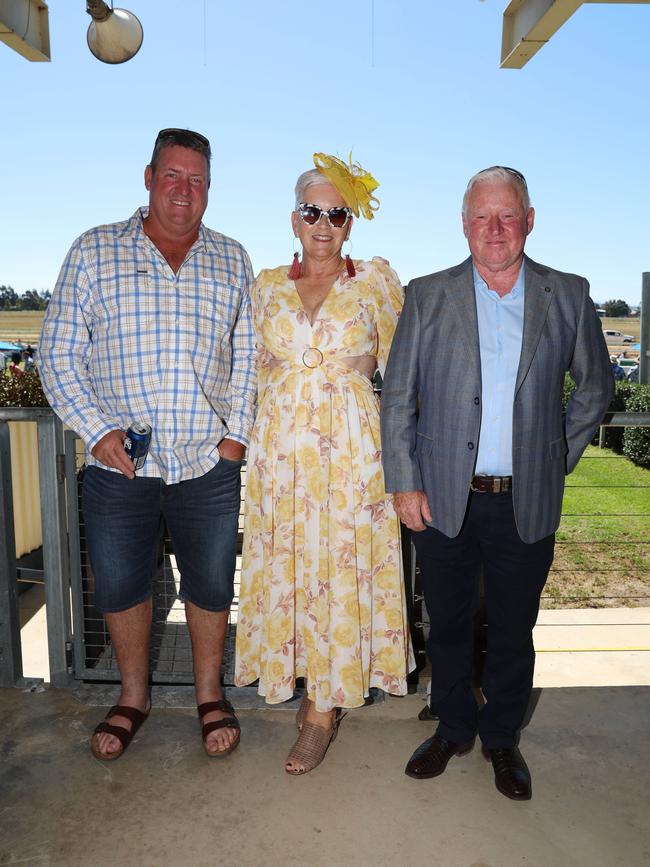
[(74, 551), (644, 355), (55, 546), (11, 661)]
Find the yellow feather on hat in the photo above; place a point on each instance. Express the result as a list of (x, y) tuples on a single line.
[(353, 183)]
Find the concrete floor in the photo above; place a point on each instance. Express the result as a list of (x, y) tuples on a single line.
[(165, 803)]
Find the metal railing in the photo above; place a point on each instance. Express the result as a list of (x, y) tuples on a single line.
[(63, 568), (419, 617), (609, 549), (56, 567)]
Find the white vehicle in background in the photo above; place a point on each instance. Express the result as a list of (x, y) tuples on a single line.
[(617, 336)]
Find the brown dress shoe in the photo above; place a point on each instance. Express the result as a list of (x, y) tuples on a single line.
[(431, 758), (511, 774)]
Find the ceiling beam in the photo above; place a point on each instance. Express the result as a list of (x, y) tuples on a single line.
[(529, 24), (24, 26)]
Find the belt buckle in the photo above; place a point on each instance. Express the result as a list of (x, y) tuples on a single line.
[(318, 363), (496, 485)]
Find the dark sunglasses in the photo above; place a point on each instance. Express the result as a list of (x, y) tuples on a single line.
[(336, 217), (510, 171), (173, 132)]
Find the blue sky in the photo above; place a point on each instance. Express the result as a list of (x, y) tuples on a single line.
[(422, 104)]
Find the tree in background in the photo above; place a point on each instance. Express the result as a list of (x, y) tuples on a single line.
[(616, 308), (33, 300), (30, 300), (8, 298)]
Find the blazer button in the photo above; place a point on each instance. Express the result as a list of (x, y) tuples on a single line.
[(547, 288), (470, 446), (476, 401)]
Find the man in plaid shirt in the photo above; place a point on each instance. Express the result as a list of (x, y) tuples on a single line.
[(150, 322)]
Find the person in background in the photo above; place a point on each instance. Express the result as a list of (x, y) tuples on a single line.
[(14, 367), (27, 356), (617, 371), (167, 285), (476, 451), (322, 591)]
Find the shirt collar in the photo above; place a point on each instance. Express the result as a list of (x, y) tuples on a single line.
[(134, 228), (481, 286)]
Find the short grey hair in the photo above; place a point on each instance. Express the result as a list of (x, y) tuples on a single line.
[(310, 178), (499, 173)]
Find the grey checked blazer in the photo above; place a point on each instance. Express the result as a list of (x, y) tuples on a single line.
[(431, 395)]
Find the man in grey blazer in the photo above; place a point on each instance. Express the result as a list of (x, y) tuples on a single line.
[(476, 449)]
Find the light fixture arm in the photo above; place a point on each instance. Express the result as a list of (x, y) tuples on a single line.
[(98, 10)]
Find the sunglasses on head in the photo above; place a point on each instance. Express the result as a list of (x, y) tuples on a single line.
[(173, 132), (337, 217), (510, 171)]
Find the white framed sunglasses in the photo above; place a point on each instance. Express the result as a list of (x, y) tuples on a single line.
[(337, 217)]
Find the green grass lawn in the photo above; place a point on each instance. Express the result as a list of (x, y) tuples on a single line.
[(602, 555)]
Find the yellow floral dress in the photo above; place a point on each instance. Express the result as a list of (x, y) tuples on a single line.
[(322, 591)]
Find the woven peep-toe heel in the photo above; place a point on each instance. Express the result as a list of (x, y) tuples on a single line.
[(301, 713), (312, 744)]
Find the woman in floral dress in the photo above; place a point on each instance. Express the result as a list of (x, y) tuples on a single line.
[(322, 591)]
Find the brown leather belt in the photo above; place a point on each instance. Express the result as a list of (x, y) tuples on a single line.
[(491, 484)]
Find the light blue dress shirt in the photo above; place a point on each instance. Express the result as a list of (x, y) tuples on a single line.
[(500, 329)]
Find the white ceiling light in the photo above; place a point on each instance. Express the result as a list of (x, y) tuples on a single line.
[(114, 35)]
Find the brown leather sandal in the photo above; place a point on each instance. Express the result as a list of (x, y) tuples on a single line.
[(310, 748), (230, 722), (301, 713), (124, 736)]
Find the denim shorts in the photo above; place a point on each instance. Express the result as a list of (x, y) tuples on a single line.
[(124, 521)]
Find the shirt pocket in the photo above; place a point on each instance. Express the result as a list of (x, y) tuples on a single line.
[(124, 306), (212, 306)]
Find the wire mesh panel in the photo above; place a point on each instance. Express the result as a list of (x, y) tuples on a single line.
[(170, 653), (602, 553)]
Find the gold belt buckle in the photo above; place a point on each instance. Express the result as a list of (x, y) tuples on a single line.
[(312, 349)]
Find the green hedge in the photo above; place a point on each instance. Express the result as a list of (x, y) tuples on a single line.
[(614, 435), (633, 442), (569, 386), (636, 440), (25, 390)]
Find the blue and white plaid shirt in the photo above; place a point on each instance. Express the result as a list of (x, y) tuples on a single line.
[(127, 339)]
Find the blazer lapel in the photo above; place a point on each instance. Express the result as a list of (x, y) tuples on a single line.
[(462, 301), (537, 298)]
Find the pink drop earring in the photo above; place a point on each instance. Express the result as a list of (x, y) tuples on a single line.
[(349, 264), (295, 271)]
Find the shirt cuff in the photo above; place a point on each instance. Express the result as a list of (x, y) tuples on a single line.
[(93, 433), (237, 437)]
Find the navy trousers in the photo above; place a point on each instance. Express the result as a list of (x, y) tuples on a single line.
[(514, 574)]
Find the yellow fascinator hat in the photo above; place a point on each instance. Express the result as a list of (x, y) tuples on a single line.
[(355, 185)]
